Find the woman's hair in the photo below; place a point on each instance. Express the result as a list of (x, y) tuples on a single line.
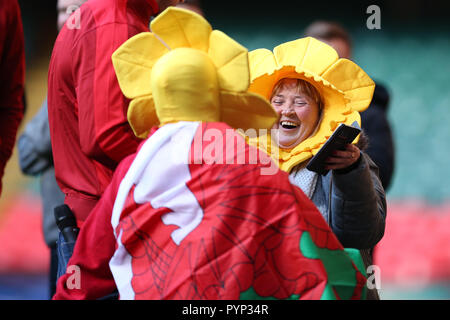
[(303, 87)]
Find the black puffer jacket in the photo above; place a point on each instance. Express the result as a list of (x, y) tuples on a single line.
[(353, 202)]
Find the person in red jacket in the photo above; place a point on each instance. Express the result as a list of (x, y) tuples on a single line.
[(12, 77), (87, 110)]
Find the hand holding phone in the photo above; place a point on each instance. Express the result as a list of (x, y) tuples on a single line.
[(340, 138)]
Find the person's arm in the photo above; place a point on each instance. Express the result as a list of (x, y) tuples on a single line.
[(12, 77), (358, 205), (34, 146), (88, 276), (105, 134), (94, 248)]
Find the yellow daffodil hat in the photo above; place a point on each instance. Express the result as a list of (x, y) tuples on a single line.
[(345, 88), (184, 71)]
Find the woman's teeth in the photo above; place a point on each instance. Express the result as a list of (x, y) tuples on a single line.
[(288, 124)]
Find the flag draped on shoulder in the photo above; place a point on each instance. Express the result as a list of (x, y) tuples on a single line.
[(186, 229)]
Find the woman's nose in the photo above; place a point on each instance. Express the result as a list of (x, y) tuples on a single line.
[(287, 110)]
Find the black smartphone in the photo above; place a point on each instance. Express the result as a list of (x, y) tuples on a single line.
[(342, 136)]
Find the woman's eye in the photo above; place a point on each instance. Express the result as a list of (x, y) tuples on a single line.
[(299, 102)]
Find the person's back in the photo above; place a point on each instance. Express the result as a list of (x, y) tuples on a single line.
[(87, 111)]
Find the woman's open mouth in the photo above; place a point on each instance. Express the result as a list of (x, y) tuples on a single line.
[(288, 125)]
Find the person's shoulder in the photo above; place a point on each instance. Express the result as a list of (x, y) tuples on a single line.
[(93, 15), (105, 12), (381, 96)]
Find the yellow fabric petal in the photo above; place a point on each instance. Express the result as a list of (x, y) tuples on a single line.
[(231, 61), (306, 54), (289, 162), (182, 28), (133, 62), (142, 115), (246, 111), (261, 61), (262, 67), (357, 86)]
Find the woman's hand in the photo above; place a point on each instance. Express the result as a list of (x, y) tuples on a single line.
[(341, 159)]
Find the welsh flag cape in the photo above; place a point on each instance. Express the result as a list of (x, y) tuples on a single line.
[(192, 222)]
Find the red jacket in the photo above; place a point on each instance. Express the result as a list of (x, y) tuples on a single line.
[(87, 110), (12, 77), (183, 219)]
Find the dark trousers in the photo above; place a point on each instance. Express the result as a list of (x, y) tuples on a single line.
[(53, 270)]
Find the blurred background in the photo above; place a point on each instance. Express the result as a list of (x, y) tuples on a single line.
[(409, 55)]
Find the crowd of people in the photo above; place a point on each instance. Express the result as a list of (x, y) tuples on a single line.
[(134, 139)]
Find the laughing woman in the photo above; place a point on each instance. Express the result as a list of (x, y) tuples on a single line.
[(313, 91)]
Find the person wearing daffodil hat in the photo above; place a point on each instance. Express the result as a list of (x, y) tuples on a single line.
[(183, 218), (313, 91)]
